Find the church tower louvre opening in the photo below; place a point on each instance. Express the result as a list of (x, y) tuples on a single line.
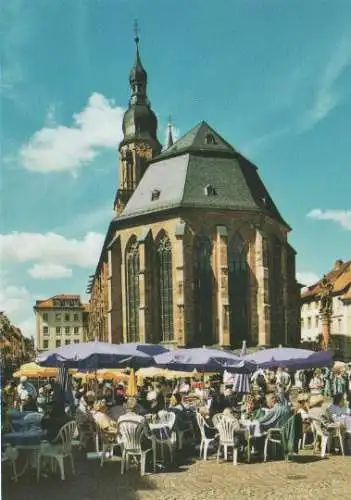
[(140, 143)]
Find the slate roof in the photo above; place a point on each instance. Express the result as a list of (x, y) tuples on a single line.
[(182, 174)]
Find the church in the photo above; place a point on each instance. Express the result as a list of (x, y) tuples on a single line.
[(197, 253)]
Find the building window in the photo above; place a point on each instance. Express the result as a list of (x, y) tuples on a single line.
[(67, 317), (339, 325), (76, 329), (209, 139), (45, 344), (238, 283), (155, 194), (58, 330), (76, 317), (45, 316), (309, 322), (76, 341), (164, 288), (203, 289), (58, 316), (132, 289), (67, 329), (46, 330), (67, 342), (58, 343), (317, 321), (302, 322)]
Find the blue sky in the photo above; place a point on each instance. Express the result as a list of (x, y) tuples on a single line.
[(273, 77)]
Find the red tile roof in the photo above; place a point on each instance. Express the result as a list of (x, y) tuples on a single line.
[(49, 303), (339, 276)]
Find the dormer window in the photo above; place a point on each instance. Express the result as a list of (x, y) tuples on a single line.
[(155, 194), (210, 190), (209, 139)]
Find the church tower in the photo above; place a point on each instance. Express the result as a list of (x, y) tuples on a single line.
[(140, 143)]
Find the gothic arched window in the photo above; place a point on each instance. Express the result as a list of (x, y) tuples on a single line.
[(165, 287), (132, 264), (203, 290), (238, 290)]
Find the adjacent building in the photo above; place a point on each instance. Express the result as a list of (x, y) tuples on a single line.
[(197, 253), (340, 320), (60, 320), (15, 347)]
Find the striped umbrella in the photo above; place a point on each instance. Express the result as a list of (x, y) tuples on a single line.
[(241, 383)]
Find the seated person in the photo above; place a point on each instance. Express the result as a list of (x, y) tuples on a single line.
[(228, 413), (177, 407), (102, 419), (317, 406), (131, 408), (277, 415), (254, 410), (118, 409), (83, 412), (107, 394), (41, 400), (54, 419), (335, 410)]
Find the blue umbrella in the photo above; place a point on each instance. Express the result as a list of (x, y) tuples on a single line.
[(203, 359), (95, 355), (295, 359)]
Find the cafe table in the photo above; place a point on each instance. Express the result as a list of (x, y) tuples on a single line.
[(28, 443)]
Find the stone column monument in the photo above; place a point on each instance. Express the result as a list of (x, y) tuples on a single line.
[(326, 310)]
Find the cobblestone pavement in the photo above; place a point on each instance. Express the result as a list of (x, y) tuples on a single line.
[(307, 478)]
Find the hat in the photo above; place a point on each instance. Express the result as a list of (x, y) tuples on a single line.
[(23, 379), (108, 385)]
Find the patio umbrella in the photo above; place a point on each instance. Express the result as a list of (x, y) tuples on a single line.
[(32, 370), (95, 355), (241, 382), (132, 388), (287, 357), (203, 359)]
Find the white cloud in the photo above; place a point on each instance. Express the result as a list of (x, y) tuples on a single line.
[(327, 97), (307, 278), (342, 217), (53, 271), (61, 148), (27, 326), (51, 248), (13, 299)]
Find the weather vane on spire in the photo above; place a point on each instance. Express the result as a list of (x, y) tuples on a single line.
[(136, 31)]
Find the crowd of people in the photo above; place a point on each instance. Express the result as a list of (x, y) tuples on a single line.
[(274, 397)]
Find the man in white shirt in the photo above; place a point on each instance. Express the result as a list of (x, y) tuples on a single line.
[(26, 390)]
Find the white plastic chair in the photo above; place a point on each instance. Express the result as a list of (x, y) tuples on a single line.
[(131, 433), (167, 435), (60, 449), (226, 428), (274, 436), (205, 441), (333, 431), (10, 454)]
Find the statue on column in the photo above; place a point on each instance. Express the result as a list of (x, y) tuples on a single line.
[(326, 309), (326, 306)]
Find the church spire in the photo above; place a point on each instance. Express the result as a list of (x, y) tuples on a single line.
[(170, 133), (138, 75)]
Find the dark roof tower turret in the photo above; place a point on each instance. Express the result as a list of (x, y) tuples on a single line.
[(139, 121)]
